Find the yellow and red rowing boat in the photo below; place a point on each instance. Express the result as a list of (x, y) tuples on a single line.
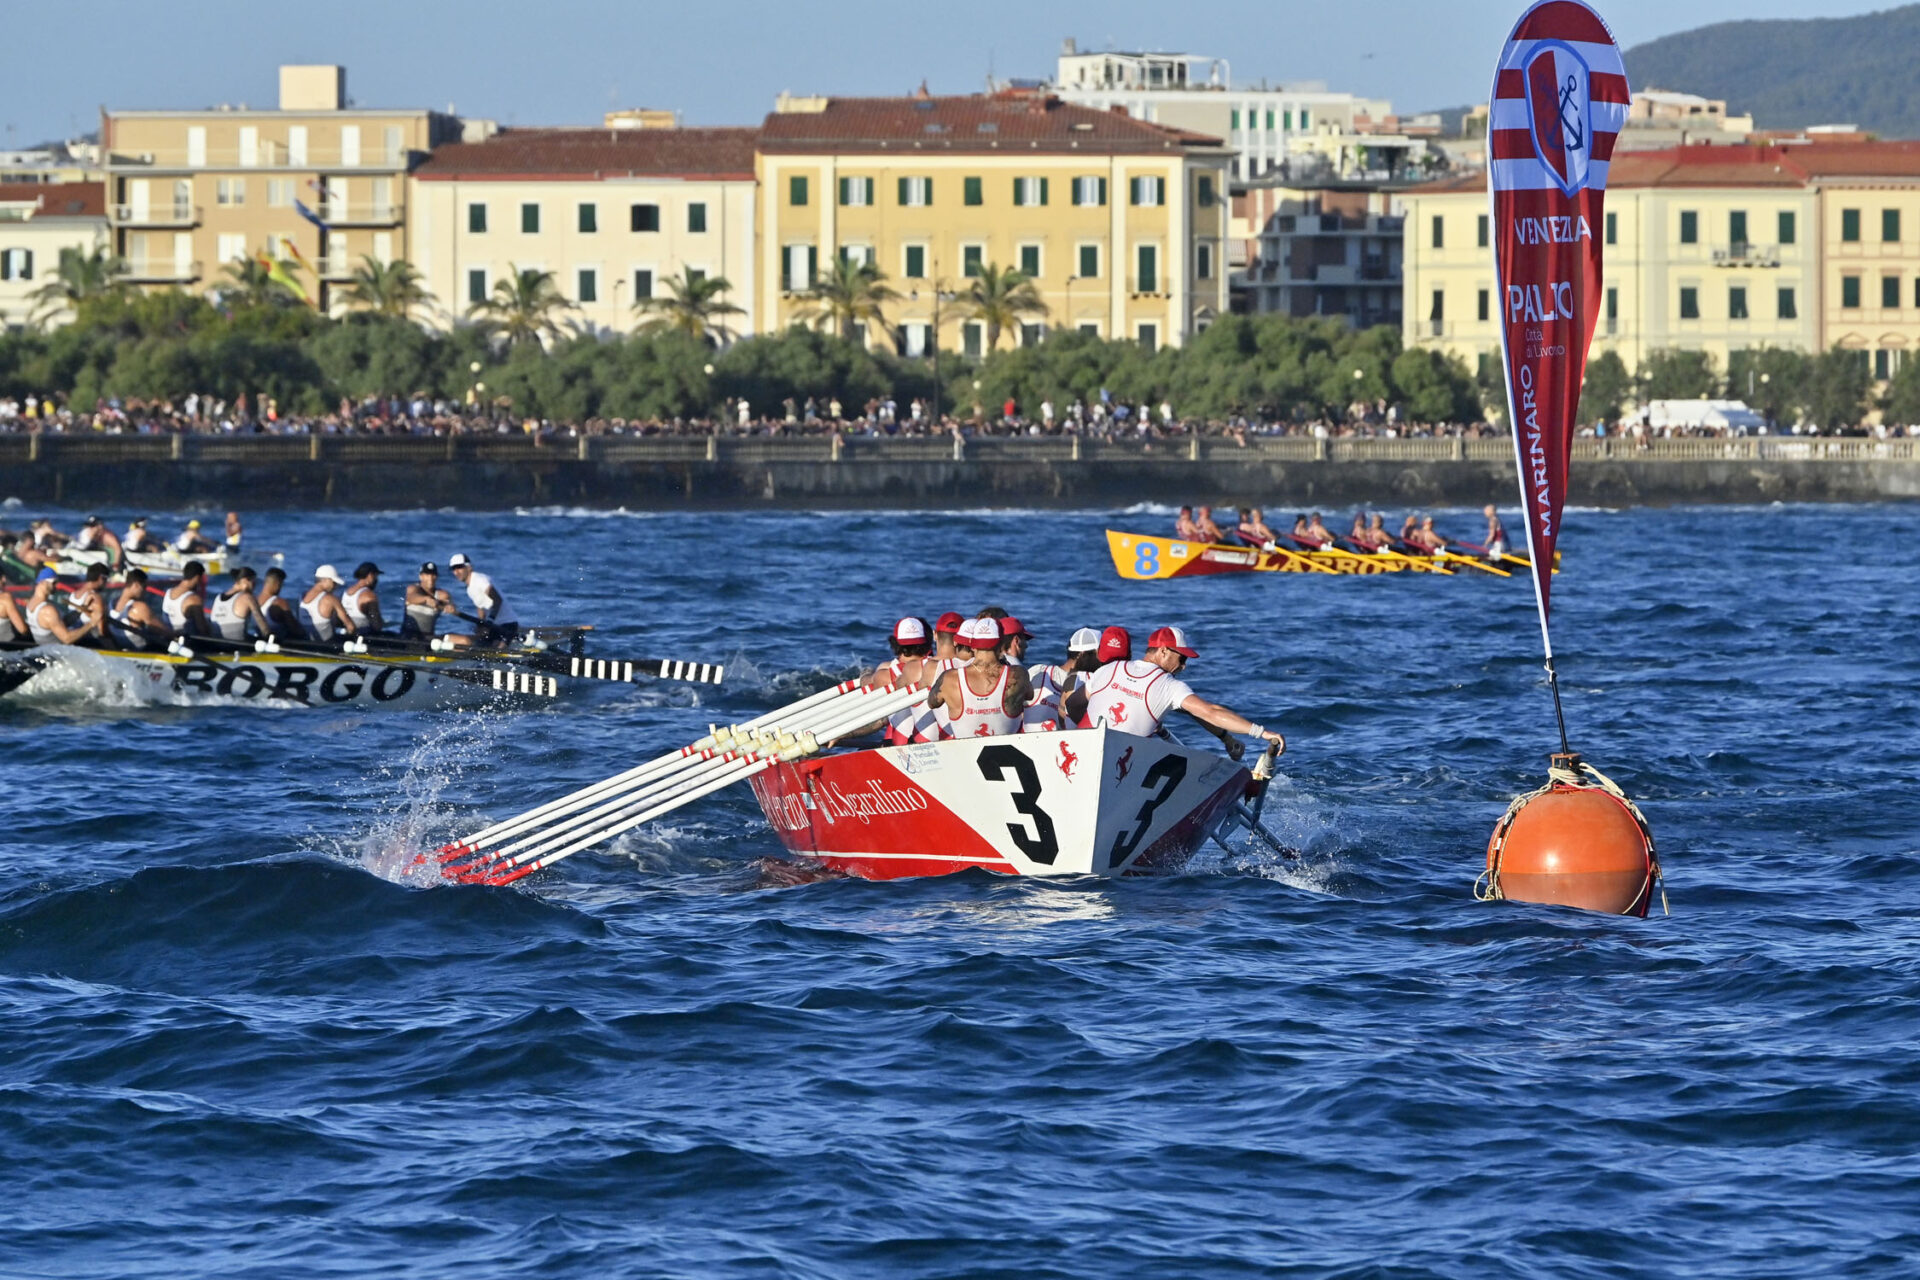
[(1145, 558)]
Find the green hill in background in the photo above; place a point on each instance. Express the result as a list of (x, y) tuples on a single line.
[(1794, 73)]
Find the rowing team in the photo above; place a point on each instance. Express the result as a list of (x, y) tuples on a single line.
[(41, 544), (979, 686), (1310, 533), (252, 608)]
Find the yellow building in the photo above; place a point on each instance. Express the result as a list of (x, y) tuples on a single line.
[(1711, 249), (610, 212), (1869, 217), (190, 191), (39, 222), (1121, 224)]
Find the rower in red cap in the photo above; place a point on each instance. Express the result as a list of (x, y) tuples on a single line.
[(945, 627), (1135, 697), (984, 699)]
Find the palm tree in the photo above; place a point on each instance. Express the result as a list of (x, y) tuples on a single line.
[(249, 282), (525, 307), (999, 297), (386, 288), (849, 293), (691, 304), (79, 278)]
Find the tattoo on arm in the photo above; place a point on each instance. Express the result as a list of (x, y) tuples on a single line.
[(1019, 691)]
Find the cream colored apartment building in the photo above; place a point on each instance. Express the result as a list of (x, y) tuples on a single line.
[(1869, 209), (39, 221), (192, 191), (611, 213), (1120, 223)]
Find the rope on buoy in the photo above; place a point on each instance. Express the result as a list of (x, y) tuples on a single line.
[(1568, 771)]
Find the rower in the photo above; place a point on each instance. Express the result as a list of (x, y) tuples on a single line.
[(1377, 534), (138, 539), (233, 532), (1410, 534), (1254, 530), (1426, 539), (1135, 697), (984, 699), (1184, 528), (1496, 541), (1358, 535), (95, 536), (1304, 535), (1050, 680), (132, 622), (46, 622), (90, 600), (233, 609), (362, 600), (13, 623), (945, 627), (1318, 531), (46, 537), (426, 600), (912, 646), (184, 603), (1206, 529), (325, 617), (496, 625), (190, 543), (277, 619)]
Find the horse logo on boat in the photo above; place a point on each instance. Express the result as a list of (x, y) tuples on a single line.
[(1067, 761), (1121, 765)]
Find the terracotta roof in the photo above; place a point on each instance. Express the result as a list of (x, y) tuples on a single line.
[(590, 154), (1739, 165), (59, 199), (975, 123)]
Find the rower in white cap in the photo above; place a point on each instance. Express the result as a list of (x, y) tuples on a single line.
[(1135, 696), (1050, 680), (496, 623), (987, 697), (326, 616)]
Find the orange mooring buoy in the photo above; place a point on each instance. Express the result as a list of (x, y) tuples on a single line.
[(1576, 842)]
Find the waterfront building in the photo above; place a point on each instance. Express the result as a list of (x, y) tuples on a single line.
[(1121, 223), (1262, 124), (314, 180), (1332, 250), (38, 222), (1868, 236), (611, 212), (55, 162)]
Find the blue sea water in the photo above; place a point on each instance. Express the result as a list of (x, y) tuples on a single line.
[(238, 1039)]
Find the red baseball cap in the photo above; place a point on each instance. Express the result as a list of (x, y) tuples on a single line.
[(910, 631), (1172, 638), (1011, 627), (949, 622), (1115, 644)]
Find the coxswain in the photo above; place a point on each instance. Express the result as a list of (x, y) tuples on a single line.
[(234, 609), (1135, 697), (362, 600), (48, 625), (95, 536), (131, 622), (1205, 528), (277, 619), (190, 543), (1496, 542), (496, 623), (985, 698), (184, 604), (1184, 528), (325, 617), (426, 600), (137, 538), (234, 531)]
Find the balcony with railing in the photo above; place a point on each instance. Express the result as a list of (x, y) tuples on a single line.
[(175, 214), (1747, 255), (160, 270), (268, 155), (385, 214)]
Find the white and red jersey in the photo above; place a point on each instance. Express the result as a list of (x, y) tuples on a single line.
[(1132, 697), (982, 715), (916, 723)]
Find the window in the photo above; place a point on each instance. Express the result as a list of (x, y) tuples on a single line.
[(1286, 119), (642, 283), (530, 219), (383, 247), (859, 255), (1737, 228), (1149, 335), (643, 217), (1235, 123), (917, 339), (1890, 292), (1090, 327), (697, 213), (1089, 261), (1613, 309), (231, 248), (1305, 123), (916, 193), (1480, 232), (1146, 268), (1785, 307), (1613, 228), (350, 144), (1689, 227), (1203, 262), (1736, 302), (1882, 365), (695, 275), (280, 192), (477, 285), (856, 192), (1029, 193), (1483, 307), (797, 267), (1689, 304), (1147, 192), (197, 145), (1030, 260), (1269, 121), (1438, 312), (1439, 232), (1786, 227), (297, 146), (249, 145), (1850, 225), (230, 191), (588, 219), (972, 334), (1030, 335), (1206, 180), (796, 190), (477, 218), (970, 191), (915, 265), (16, 264), (970, 256), (1849, 291), (588, 281), (396, 153), (1890, 226), (1089, 191)]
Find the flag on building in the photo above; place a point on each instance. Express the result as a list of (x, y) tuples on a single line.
[(278, 273), (300, 208)]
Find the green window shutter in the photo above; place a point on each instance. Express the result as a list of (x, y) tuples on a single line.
[(1016, 192), (843, 191), (1103, 191), (1850, 225), (1133, 191), (1890, 225), (1159, 190), (797, 190), (971, 191), (1786, 226), (1236, 118), (1043, 197), (813, 264), (928, 190), (903, 191)]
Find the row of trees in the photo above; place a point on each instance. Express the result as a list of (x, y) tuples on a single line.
[(1829, 389)]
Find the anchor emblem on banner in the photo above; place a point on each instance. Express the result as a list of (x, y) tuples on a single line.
[(1559, 111)]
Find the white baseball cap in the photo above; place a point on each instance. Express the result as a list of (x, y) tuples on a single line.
[(328, 572), (910, 631), (458, 560), (1085, 640), (979, 634)]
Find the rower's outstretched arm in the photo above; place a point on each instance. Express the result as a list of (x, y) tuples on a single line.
[(1232, 721), (1235, 747)]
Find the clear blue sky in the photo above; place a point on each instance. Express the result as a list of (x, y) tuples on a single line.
[(722, 61)]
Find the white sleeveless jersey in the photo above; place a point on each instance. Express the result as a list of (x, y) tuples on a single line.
[(355, 601), (42, 634), (479, 586), (919, 722), (982, 715), (122, 625), (225, 619), (321, 627), (1131, 697), (424, 617), (174, 611)]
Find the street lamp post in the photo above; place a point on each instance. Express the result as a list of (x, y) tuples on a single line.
[(939, 295)]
